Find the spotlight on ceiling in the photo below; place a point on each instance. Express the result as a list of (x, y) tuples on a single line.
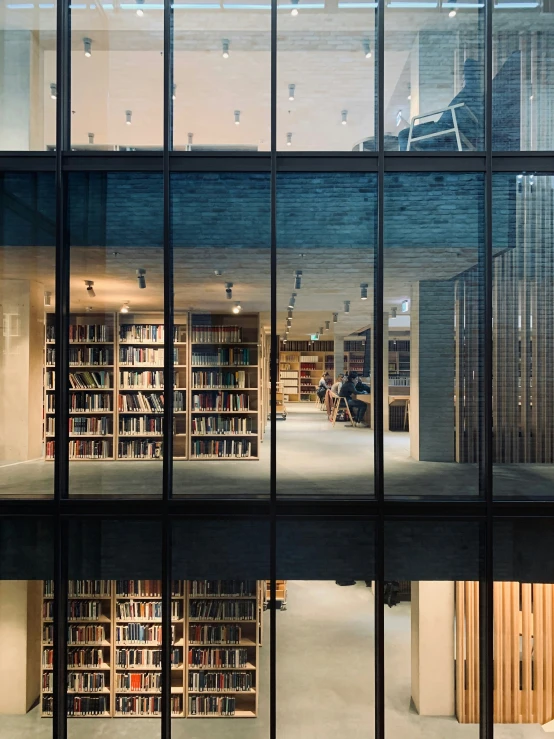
[(189, 138), (294, 10), (91, 138), (289, 313), (237, 308), (128, 116), (174, 95), (90, 288), (393, 312), (140, 11), (320, 330), (452, 14), (292, 88), (298, 279), (125, 307), (237, 117), (53, 91), (347, 306), (225, 48), (335, 317), (367, 48), (363, 291), (344, 117), (47, 298), (327, 325), (289, 139), (229, 290), (141, 277), (292, 300), (87, 46)]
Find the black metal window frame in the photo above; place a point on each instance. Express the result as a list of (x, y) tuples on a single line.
[(62, 509)]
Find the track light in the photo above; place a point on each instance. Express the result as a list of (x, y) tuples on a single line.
[(363, 291), (298, 279), (189, 138), (344, 116), (128, 116), (320, 330), (91, 138), (289, 313), (367, 49), (393, 312), (125, 307), (237, 308), (47, 298), (90, 289), (229, 290), (53, 91), (289, 322), (88, 309), (452, 14), (347, 306), (140, 11), (225, 47), (294, 10), (292, 88), (87, 45), (335, 317), (327, 325), (289, 139), (141, 277), (174, 96), (292, 300), (237, 117)]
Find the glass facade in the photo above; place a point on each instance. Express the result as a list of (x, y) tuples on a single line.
[(275, 282)]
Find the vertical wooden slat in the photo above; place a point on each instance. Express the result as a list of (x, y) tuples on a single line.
[(476, 669), (497, 652), (516, 695), (548, 652), (470, 651), (526, 648), (538, 662), (460, 654), (507, 698)]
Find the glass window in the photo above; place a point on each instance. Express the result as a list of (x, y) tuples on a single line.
[(326, 65), (116, 335), (117, 76), (433, 283), (523, 263), (325, 243), (27, 76), (434, 67), (27, 299)]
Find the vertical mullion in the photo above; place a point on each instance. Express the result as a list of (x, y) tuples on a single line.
[(273, 368), (59, 628), (166, 628)]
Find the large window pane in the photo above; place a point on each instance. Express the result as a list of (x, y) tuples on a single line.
[(326, 76), (523, 397), (27, 300), (27, 76), (116, 340), (434, 67), (325, 243), (433, 324)]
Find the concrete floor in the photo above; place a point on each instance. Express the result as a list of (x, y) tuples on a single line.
[(325, 682), (314, 460)]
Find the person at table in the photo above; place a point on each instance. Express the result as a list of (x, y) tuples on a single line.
[(362, 387), (335, 388), (348, 392), (324, 385)]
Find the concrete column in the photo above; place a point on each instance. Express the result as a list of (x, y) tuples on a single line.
[(433, 648), (432, 359), (338, 354), (20, 638), (21, 350), (21, 92)]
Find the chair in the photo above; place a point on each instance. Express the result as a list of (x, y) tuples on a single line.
[(336, 405)]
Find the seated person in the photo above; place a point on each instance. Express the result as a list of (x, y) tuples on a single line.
[(324, 384), (335, 388), (362, 387), (348, 391)]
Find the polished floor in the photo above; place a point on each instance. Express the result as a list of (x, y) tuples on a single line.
[(313, 459), (324, 682)]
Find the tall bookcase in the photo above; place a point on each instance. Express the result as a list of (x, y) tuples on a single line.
[(114, 648), (289, 375), (311, 368)]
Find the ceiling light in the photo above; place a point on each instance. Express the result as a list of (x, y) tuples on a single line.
[(347, 306), (237, 117), (128, 116), (363, 291), (289, 313), (393, 312), (174, 91), (292, 300), (88, 308), (344, 115), (140, 11), (291, 91), (294, 10), (298, 279), (125, 307), (452, 14), (91, 138), (237, 308), (327, 325), (87, 44), (405, 306), (335, 317), (53, 91), (47, 298), (217, 272), (229, 290), (289, 139), (367, 49), (141, 277), (225, 47), (320, 330), (90, 289), (189, 138), (289, 322)]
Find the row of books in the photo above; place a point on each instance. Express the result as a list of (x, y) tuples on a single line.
[(306, 346), (205, 634), (145, 588), (138, 681), (148, 379), (144, 657), (237, 448), (87, 426), (222, 425), (132, 402), (220, 681), (84, 657), (83, 332), (212, 657), (83, 402), (84, 634), (143, 705), (236, 588), (79, 705), (151, 610), (133, 355), (220, 402), (82, 610), (221, 610), (140, 633), (82, 449), (81, 588), (222, 357), (219, 379), (132, 425), (289, 374), (83, 356), (149, 332), (84, 380), (139, 449), (211, 705), (78, 682), (216, 334)]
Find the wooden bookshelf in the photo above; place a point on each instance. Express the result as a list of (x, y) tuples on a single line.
[(289, 375), (217, 622), (311, 368)]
